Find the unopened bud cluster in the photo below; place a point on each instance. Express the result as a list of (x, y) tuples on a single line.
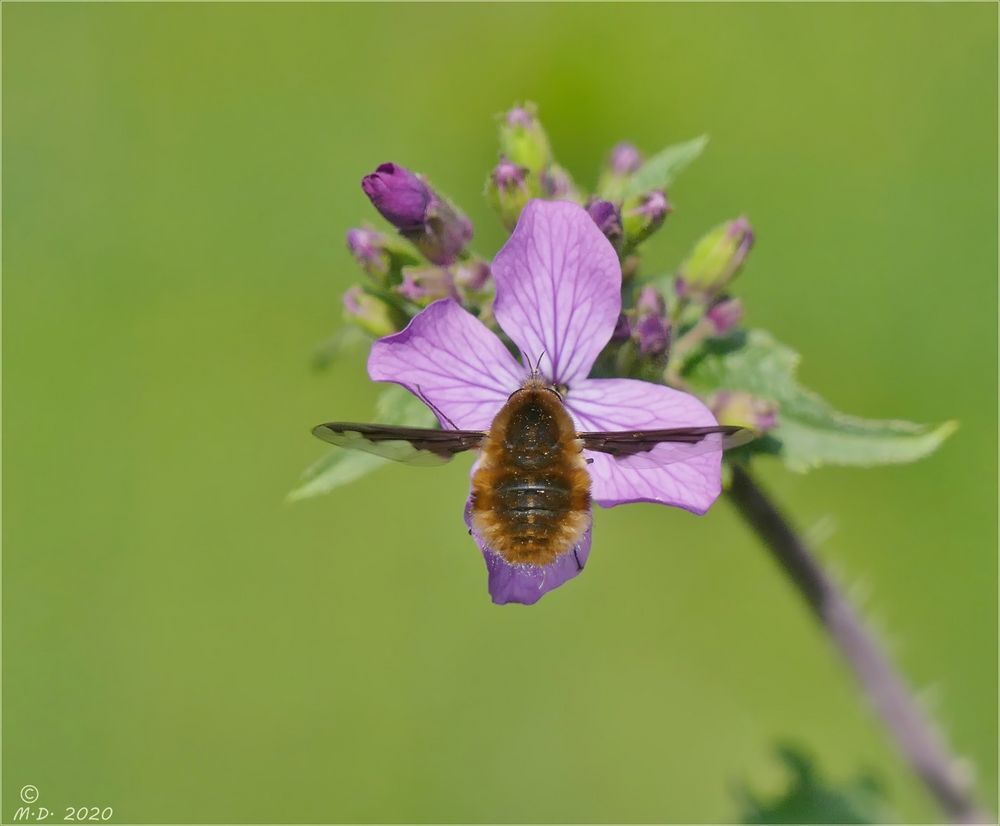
[(526, 168), (423, 255), (425, 258), (429, 221)]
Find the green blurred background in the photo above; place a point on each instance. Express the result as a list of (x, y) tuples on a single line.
[(181, 644)]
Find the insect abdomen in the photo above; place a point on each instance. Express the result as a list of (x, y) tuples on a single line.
[(531, 493), (531, 508)]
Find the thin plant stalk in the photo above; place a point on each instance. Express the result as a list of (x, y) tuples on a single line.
[(920, 742)]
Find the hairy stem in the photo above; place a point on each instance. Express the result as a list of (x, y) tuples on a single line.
[(916, 737)]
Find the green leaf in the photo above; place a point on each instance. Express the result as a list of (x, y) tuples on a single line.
[(810, 798), (660, 171), (395, 406), (810, 433)]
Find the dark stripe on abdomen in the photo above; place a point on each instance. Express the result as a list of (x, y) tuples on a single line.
[(532, 507)]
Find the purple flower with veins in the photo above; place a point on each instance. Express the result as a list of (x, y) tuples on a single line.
[(558, 298)]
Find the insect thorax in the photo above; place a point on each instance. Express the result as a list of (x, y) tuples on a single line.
[(533, 433)]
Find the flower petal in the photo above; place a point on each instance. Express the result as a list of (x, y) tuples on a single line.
[(667, 475), (527, 584), (558, 289), (451, 359)]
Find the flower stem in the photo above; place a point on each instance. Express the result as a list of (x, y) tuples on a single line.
[(916, 737)]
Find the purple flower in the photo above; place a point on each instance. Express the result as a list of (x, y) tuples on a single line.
[(520, 116), (405, 200), (652, 327), (653, 335), (368, 249), (508, 190), (642, 215), (622, 162), (473, 275), (725, 315), (654, 206), (556, 183), (422, 285), (507, 175), (623, 329), (401, 196), (650, 302), (625, 159), (558, 298), (607, 218)]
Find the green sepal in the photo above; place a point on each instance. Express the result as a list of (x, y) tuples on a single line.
[(401, 253), (508, 202), (375, 310), (526, 144)]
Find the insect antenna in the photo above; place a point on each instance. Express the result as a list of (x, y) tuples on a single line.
[(536, 370), (434, 407)]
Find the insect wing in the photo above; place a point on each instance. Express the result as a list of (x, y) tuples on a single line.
[(413, 445), (640, 449)]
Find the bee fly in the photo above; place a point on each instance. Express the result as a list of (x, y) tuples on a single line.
[(531, 491)]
